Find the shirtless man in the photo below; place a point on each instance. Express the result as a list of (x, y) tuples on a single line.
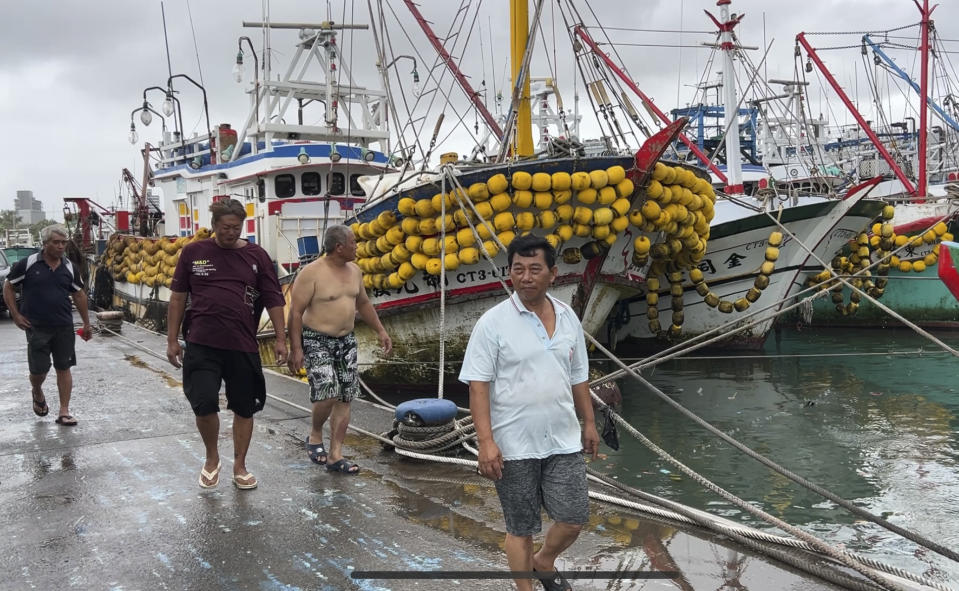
[(327, 295)]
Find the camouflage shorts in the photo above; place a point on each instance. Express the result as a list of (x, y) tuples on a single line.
[(330, 366)]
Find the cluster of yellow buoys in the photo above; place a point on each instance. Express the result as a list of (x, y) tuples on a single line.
[(709, 297), (595, 206), (150, 261), (680, 205), (877, 246)]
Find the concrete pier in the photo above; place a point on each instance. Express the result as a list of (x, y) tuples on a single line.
[(113, 503)]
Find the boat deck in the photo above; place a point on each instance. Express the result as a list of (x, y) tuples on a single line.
[(113, 503)]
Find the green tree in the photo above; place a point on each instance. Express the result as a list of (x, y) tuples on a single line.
[(8, 219), (35, 228)]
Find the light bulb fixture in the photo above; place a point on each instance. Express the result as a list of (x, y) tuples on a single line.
[(145, 116), (238, 68), (303, 157), (334, 154), (416, 83), (133, 137), (196, 163), (168, 105), (368, 155)]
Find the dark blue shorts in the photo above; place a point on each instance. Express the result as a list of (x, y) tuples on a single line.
[(205, 368), (44, 342), (557, 483)]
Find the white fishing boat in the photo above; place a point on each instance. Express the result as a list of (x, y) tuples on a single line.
[(294, 162), (761, 245)]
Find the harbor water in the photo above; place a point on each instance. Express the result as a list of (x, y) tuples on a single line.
[(868, 414)]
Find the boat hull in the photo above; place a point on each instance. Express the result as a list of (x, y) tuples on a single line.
[(920, 297), (735, 252)]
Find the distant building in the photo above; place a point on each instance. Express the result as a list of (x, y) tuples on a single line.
[(29, 210)]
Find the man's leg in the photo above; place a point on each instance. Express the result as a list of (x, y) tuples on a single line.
[(339, 421), (559, 537), (209, 428), (519, 557), (242, 434), (321, 411), (36, 383), (64, 388)]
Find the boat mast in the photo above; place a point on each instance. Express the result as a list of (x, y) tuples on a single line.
[(734, 162), (519, 32), (924, 92)]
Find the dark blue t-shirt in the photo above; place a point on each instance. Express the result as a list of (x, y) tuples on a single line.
[(46, 291)]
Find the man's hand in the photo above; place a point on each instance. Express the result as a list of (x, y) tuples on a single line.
[(87, 332), (295, 362), (386, 343), (279, 348), (590, 440), (174, 353), (490, 461), (21, 321)]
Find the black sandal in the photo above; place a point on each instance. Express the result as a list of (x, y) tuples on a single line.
[(40, 407)]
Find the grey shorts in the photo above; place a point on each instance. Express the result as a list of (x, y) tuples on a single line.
[(557, 483), (330, 366)]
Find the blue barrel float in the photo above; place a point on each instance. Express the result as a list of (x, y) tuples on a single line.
[(426, 411), (308, 247)]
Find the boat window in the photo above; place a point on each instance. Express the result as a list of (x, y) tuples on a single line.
[(337, 183), (310, 183), (355, 189), (284, 185)]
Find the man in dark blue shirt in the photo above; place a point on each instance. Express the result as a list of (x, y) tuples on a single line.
[(48, 281)]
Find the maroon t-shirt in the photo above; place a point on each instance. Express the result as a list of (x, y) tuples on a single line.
[(224, 285)]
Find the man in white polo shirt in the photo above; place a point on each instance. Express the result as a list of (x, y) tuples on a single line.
[(526, 367)]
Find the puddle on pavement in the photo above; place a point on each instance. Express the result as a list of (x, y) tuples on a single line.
[(617, 531), (137, 362)]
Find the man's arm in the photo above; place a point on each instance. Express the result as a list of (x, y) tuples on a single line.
[(490, 457), (10, 299), (80, 300), (174, 318), (303, 288), (279, 346), (364, 307), (584, 410)]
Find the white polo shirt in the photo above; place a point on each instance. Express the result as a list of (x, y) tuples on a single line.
[(531, 377)]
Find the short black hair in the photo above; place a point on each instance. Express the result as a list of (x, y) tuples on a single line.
[(528, 245)]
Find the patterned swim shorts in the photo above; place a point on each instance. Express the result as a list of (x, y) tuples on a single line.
[(330, 366)]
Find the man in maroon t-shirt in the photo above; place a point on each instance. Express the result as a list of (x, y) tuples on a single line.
[(228, 280)]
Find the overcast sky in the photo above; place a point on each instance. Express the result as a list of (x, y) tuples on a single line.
[(71, 71)]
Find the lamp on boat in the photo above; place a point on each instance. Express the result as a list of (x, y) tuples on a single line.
[(368, 155), (145, 117), (238, 68), (334, 154), (416, 76), (133, 137), (196, 163), (303, 157), (168, 104)]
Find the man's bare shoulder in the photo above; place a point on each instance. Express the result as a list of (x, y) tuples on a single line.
[(317, 266)]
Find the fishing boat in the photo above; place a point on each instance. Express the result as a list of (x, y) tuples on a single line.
[(922, 170), (294, 162), (433, 247), (761, 244)]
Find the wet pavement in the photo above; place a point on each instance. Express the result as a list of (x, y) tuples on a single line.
[(113, 503)]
